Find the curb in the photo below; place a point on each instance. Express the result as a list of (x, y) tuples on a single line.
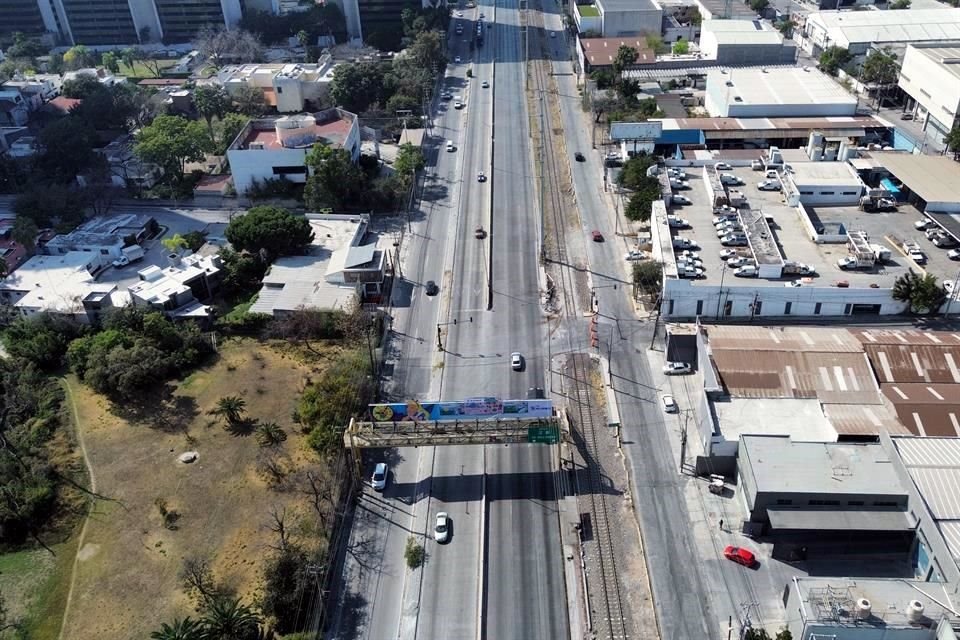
[(482, 592), (419, 577)]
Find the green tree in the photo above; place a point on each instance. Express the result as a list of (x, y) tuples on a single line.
[(756, 634), (230, 619), (335, 181), (67, 148), (41, 339), (230, 408), (635, 170), (249, 101), (357, 86), (25, 232), (880, 67), (952, 140), (211, 102), (185, 629), (286, 582), (171, 142), (899, 5), (786, 28), (129, 57), (227, 130), (24, 47), (195, 239), (55, 64), (428, 49), (759, 5), (110, 60), (272, 230), (81, 86), (49, 204), (78, 57), (639, 206), (681, 48), (409, 161), (656, 43), (648, 277), (270, 434), (695, 17), (923, 294), (625, 58), (833, 59), (175, 243)]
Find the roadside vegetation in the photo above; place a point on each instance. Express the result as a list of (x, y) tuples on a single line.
[(644, 190)]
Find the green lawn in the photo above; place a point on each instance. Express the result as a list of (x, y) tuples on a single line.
[(35, 583), (140, 70), (588, 11)]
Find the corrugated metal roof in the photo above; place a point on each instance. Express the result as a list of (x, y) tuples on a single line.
[(929, 452), (934, 467), (906, 337), (941, 490), (950, 530), (926, 409), (807, 339), (915, 363), (833, 377), (863, 419), (838, 520)]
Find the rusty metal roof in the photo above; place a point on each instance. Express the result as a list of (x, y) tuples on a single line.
[(915, 363), (863, 419), (926, 409), (806, 339), (906, 337), (832, 377)]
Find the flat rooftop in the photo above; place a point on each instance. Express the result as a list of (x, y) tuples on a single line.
[(628, 5), (55, 283), (600, 52), (781, 465), (802, 126), (915, 25), (265, 133), (740, 32), (822, 598), (798, 418), (947, 57), (780, 86), (825, 173)]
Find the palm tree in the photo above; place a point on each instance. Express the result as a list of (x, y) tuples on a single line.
[(231, 408), (905, 288), (270, 434), (304, 38), (229, 619), (185, 629)]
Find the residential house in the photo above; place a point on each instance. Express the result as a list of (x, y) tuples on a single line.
[(104, 237), (14, 108), (60, 284), (277, 147), (291, 88), (181, 289)]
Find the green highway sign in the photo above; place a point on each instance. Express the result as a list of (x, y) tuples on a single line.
[(543, 435)]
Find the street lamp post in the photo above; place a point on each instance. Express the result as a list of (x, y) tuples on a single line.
[(444, 324)]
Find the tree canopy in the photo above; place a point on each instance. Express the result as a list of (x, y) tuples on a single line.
[(271, 229), (356, 87), (223, 46), (335, 181), (880, 67), (833, 59), (170, 142), (923, 294), (952, 140), (211, 102)]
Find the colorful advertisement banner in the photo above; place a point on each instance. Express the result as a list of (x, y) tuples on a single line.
[(469, 409)]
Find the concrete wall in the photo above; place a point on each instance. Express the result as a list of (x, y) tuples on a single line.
[(933, 87), (588, 23), (681, 298), (248, 165), (630, 23)]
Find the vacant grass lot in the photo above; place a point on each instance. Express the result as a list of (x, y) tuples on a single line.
[(140, 70), (126, 582)]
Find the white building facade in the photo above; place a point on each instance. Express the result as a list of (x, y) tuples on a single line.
[(930, 75)]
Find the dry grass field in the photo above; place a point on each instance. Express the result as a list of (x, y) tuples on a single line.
[(126, 580)]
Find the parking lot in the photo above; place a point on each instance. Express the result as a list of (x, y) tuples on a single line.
[(887, 229)]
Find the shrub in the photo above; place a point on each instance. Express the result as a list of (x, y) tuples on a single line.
[(414, 553)]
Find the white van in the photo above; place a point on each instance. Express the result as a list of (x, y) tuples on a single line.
[(450, 146)]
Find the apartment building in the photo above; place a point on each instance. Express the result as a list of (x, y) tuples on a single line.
[(291, 88)]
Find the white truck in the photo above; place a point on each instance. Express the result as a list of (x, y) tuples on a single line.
[(130, 254)]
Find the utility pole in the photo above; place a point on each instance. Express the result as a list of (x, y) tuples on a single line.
[(723, 271), (952, 295)]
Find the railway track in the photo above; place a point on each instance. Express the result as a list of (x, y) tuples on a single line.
[(603, 587)]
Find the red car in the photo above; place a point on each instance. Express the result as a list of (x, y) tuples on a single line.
[(740, 555), (597, 236)]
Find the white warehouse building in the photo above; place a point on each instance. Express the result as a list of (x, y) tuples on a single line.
[(744, 42), (822, 183), (776, 92), (930, 75), (858, 31)]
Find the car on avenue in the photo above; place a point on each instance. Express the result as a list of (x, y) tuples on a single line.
[(516, 361), (676, 368), (596, 235), (485, 84), (431, 288), (669, 404), (481, 176), (441, 532), (722, 166), (740, 555), (379, 479)]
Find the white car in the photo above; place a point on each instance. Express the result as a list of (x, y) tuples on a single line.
[(677, 223), (456, 59), (677, 173), (516, 361), (689, 272), (686, 254), (725, 231), (676, 368), (122, 261), (450, 146), (686, 263), (747, 271), (485, 84), (722, 166), (768, 185), (459, 14), (734, 241), (379, 479), (954, 254), (920, 225), (726, 254), (633, 256), (458, 104), (669, 404), (792, 284), (725, 210), (446, 95), (719, 220), (441, 532), (739, 261), (917, 256), (679, 199), (679, 184)]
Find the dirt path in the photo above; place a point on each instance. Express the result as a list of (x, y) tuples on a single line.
[(93, 490)]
